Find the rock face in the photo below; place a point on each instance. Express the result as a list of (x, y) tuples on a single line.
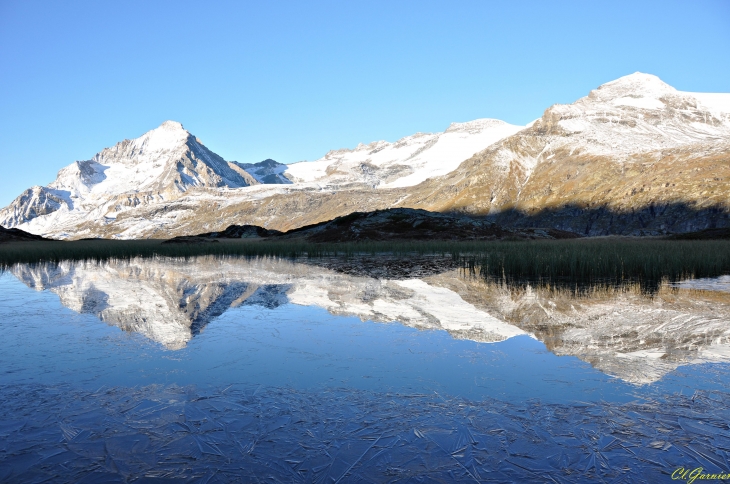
[(633, 157), (266, 172)]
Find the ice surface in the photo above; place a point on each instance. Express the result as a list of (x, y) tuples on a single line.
[(721, 283), (239, 434)]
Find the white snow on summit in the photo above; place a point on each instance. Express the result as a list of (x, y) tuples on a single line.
[(127, 167), (406, 162), (715, 102), (639, 113)]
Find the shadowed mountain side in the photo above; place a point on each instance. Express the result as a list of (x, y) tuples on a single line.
[(17, 235), (232, 232), (707, 234), (390, 224), (597, 221), (242, 232), (560, 222)]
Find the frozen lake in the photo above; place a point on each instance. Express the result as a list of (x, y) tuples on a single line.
[(235, 370)]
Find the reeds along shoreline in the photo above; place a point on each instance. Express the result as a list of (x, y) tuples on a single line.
[(575, 263), (585, 263)]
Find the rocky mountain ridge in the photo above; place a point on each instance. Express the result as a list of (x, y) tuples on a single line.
[(634, 157)]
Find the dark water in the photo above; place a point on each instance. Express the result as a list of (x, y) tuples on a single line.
[(266, 370)]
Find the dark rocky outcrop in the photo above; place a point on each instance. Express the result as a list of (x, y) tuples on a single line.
[(416, 224), (17, 235), (390, 224), (232, 232)]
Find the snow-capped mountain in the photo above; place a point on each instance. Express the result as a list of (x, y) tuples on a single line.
[(158, 170), (639, 113), (158, 166), (635, 156)]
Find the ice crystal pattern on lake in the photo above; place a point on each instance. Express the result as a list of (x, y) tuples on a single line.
[(282, 435)]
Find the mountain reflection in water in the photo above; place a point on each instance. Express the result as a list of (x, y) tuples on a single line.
[(624, 333)]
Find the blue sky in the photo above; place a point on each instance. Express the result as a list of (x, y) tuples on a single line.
[(292, 80)]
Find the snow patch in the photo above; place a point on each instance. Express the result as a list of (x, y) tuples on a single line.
[(714, 102), (639, 102)]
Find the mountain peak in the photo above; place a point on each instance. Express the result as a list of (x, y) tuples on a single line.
[(169, 128), (476, 125), (637, 84), (170, 125), (168, 135)]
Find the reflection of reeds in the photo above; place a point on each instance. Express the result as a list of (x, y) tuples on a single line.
[(32, 252), (591, 265), (557, 293), (576, 265)]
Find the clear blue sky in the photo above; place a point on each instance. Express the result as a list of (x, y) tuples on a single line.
[(292, 80)]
